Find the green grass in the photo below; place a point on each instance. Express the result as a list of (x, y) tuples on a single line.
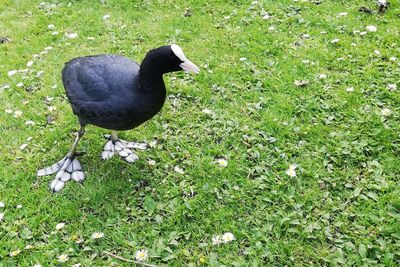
[(342, 208)]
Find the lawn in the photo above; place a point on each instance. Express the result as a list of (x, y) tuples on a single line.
[(289, 138)]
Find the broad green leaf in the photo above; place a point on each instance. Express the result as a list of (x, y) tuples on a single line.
[(149, 204), (362, 250)]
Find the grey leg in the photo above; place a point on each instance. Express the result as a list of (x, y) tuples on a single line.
[(67, 168)]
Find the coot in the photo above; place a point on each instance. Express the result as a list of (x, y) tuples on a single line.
[(115, 93)]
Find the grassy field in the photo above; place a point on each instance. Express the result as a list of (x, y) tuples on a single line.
[(299, 98)]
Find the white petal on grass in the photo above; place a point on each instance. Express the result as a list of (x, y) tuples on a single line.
[(179, 170), (336, 40), (30, 63), (381, 2), (392, 86), (106, 17), (350, 89), (322, 76), (216, 240), (153, 143), (301, 83), (97, 235), (266, 16), (63, 258), (51, 27), (71, 35), (1, 216), (12, 72), (20, 84), (15, 252), (54, 33), (19, 206), (2, 204), (60, 226), (23, 146), (342, 14), (363, 33), (227, 237), (141, 255), (17, 113), (151, 162), (37, 265), (6, 86), (371, 28), (8, 111), (242, 59), (385, 112), (377, 52), (222, 162), (207, 111), (393, 58), (292, 170), (52, 108)]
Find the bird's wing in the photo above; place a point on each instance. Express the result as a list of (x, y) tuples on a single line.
[(96, 78)]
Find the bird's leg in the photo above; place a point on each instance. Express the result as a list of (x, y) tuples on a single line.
[(67, 168), (114, 136), (121, 147)]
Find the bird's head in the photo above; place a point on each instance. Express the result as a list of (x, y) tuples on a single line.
[(180, 59), (170, 58)]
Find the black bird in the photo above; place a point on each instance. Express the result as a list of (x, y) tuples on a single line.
[(115, 93)]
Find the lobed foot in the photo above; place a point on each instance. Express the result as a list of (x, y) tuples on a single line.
[(123, 148), (68, 168)]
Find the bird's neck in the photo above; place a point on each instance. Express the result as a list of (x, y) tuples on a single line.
[(150, 75)]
